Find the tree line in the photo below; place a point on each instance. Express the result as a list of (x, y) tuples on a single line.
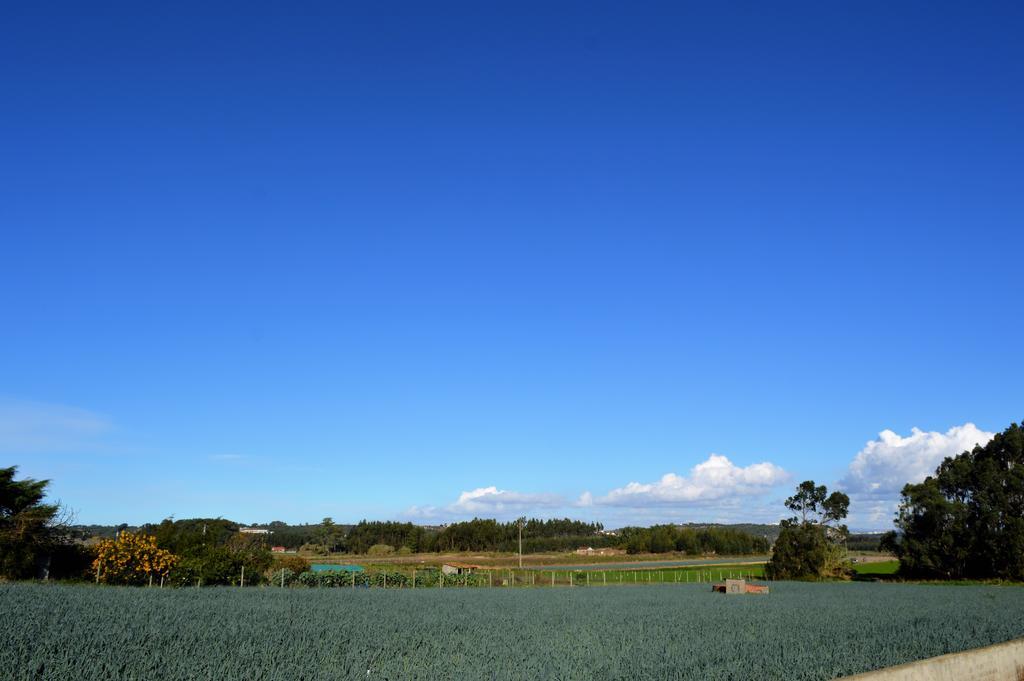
[(692, 541)]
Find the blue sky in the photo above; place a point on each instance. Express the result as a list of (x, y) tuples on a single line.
[(433, 261)]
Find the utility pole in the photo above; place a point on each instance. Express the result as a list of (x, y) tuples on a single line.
[(520, 522)]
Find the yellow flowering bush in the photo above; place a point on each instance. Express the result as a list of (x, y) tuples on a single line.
[(131, 559)]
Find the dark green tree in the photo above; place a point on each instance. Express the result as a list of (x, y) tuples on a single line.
[(330, 536), (966, 521), (30, 530), (810, 546)]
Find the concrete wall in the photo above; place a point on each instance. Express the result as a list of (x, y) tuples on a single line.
[(1001, 662)]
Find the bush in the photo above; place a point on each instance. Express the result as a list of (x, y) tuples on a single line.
[(284, 577), (296, 564), (380, 550), (131, 559)]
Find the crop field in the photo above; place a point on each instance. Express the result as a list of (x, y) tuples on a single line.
[(670, 631)]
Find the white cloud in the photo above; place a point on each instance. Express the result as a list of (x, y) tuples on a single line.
[(884, 465), (41, 427), (715, 490), (489, 502), (711, 480), (492, 499)]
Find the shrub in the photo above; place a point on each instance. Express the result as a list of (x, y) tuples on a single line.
[(131, 559), (296, 564)]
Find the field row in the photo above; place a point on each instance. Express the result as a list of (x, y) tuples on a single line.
[(800, 632)]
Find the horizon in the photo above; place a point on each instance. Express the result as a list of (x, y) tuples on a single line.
[(632, 266)]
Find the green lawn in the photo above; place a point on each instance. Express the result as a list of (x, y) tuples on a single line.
[(888, 567)]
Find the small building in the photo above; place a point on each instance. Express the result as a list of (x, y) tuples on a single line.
[(735, 587), (591, 551), (459, 568), (254, 530), (277, 549)]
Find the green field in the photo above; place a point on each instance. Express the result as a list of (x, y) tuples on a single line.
[(799, 631), (888, 567)]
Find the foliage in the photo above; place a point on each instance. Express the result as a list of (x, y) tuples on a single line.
[(30, 530), (694, 542), (71, 561), (366, 534), (380, 550), (800, 632), (966, 521), (864, 542), (811, 546), (131, 559), (294, 563), (330, 536), (212, 551), (557, 534)]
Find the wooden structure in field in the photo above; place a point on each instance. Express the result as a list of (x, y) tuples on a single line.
[(739, 586), (460, 568)]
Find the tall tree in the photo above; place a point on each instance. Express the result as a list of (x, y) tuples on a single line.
[(810, 546), (966, 521), (29, 529)]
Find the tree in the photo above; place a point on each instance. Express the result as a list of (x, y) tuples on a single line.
[(810, 546), (131, 559), (29, 529), (330, 535), (966, 521), (813, 505)]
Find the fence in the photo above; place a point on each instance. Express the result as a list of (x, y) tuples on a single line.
[(512, 578)]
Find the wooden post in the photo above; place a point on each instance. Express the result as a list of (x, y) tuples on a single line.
[(552, 578), (570, 577), (243, 576), (588, 577), (414, 578), (385, 580), (151, 578), (604, 578), (490, 578), (282, 578), (634, 576), (161, 581), (353, 579)]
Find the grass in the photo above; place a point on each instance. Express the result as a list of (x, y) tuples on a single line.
[(641, 574), (888, 567)]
